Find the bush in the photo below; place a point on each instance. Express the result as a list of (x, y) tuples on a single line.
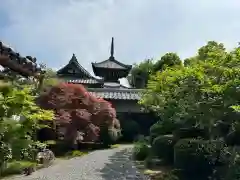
[(17, 167), (233, 171), (231, 168), (232, 139), (130, 129), (198, 157), (192, 132), (59, 148), (140, 151), (161, 128), (108, 136), (163, 147)]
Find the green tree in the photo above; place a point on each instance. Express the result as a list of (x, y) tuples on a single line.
[(140, 73), (212, 51), (18, 136), (199, 94), (167, 60), (49, 78)]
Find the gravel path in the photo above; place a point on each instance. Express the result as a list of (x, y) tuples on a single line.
[(110, 164)]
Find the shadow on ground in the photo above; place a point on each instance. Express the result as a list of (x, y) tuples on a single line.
[(121, 167)]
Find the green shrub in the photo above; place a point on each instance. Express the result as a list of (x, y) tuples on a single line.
[(161, 128), (233, 172), (163, 147), (108, 136), (59, 148), (140, 151), (231, 167), (198, 157), (232, 139), (192, 132), (17, 167), (130, 129)]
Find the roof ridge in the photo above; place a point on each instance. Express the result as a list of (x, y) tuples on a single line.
[(113, 60)]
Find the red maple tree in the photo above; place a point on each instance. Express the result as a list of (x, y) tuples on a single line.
[(78, 110)]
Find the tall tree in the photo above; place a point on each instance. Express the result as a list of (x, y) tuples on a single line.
[(200, 94), (212, 51), (140, 73), (167, 60)]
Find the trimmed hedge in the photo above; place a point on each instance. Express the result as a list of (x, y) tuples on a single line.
[(198, 157), (163, 147), (192, 132), (140, 151), (108, 136), (161, 128)]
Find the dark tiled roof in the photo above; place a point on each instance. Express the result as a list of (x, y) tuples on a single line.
[(111, 63), (117, 94), (26, 66), (74, 62), (83, 81)]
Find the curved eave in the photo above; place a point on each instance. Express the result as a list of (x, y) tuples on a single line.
[(112, 61), (97, 69)]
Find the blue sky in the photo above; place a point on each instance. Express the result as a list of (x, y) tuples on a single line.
[(52, 30)]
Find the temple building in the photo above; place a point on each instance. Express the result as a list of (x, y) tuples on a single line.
[(106, 84)]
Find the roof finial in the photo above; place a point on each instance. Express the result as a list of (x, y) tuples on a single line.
[(112, 47), (74, 58)]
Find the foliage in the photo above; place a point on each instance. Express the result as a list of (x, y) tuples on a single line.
[(130, 129), (201, 99), (167, 60), (50, 77), (78, 110), (108, 136), (161, 128), (198, 95), (140, 151), (163, 147), (140, 73), (17, 167), (192, 132), (232, 171), (196, 156), (18, 135)]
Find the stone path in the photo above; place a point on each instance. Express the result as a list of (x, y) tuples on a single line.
[(110, 164)]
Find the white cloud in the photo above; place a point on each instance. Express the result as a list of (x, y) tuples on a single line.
[(53, 30)]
